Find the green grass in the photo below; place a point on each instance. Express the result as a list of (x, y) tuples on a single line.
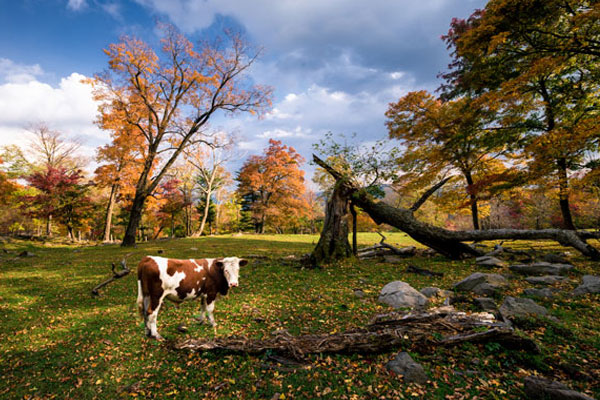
[(57, 341)]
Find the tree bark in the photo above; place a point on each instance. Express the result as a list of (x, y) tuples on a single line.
[(449, 243), (205, 214), (473, 197), (354, 230), (49, 226), (135, 216), (563, 194), (109, 212), (333, 243)]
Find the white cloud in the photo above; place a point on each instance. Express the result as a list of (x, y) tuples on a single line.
[(18, 73), (76, 5), (68, 108)]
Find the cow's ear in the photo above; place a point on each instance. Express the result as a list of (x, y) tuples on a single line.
[(243, 262), (219, 264)]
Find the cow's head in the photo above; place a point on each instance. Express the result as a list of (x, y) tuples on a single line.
[(231, 269)]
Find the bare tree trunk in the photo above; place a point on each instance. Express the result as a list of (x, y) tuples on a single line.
[(473, 197), (109, 212), (354, 230), (333, 243), (135, 216), (563, 194), (205, 214), (49, 226)]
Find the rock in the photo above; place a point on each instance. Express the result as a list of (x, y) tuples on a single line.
[(489, 262), (545, 280), (538, 388), (359, 293), (544, 293), (589, 284), (435, 292), (520, 307), (555, 258), (400, 294), (486, 304), (541, 268), (481, 284), (27, 254), (393, 259), (411, 371)]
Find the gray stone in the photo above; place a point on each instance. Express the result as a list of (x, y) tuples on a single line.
[(520, 307), (411, 371), (27, 254), (359, 293), (545, 280), (400, 294), (486, 304), (541, 268), (490, 262), (545, 293), (589, 284), (540, 388), (436, 292), (555, 258), (481, 284)]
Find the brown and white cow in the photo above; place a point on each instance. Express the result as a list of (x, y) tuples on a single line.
[(180, 280)]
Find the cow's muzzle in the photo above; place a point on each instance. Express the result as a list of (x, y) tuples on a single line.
[(233, 285)]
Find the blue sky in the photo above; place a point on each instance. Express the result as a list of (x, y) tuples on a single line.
[(334, 64)]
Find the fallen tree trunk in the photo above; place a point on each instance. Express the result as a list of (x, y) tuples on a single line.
[(450, 243), (438, 328)]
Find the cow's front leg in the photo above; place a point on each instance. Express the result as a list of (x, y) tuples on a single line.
[(211, 318), (200, 318)]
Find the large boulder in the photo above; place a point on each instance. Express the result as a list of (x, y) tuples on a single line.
[(485, 304), (411, 371), (400, 294), (540, 388), (482, 284), (545, 280), (589, 284), (520, 307), (490, 262), (542, 268)]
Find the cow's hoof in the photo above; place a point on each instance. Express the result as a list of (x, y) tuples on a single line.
[(182, 328)]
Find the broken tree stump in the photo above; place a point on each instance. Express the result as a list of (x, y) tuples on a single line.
[(116, 275)]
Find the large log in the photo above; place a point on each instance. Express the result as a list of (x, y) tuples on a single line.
[(450, 243), (437, 328)]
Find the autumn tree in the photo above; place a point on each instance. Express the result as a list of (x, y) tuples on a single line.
[(60, 194), (169, 96), (122, 161), (438, 137), (541, 56), (273, 182)]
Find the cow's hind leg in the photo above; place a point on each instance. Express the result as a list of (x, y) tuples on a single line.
[(200, 318), (211, 318), (152, 317)]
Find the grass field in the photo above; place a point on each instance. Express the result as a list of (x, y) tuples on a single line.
[(57, 341)]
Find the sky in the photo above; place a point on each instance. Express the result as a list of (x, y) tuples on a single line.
[(335, 65)]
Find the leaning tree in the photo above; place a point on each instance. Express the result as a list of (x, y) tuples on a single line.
[(334, 245)]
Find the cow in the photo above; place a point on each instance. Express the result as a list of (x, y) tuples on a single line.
[(181, 280)]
